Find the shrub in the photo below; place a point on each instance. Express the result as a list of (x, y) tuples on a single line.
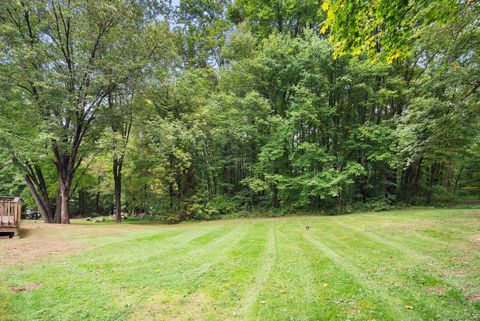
[(374, 205)]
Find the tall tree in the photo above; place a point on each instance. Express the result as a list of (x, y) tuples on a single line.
[(121, 120), (68, 56)]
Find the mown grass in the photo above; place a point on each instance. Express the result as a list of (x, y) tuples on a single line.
[(400, 265)]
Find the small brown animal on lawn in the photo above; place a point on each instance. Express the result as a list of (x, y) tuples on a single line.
[(307, 227)]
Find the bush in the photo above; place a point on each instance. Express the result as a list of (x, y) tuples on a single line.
[(203, 212), (173, 218), (202, 208), (441, 196), (224, 205), (374, 205)]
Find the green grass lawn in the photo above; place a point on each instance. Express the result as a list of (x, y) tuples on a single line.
[(421, 264)]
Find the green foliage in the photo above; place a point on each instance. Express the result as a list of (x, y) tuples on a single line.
[(375, 205), (389, 27), (267, 16), (245, 106), (12, 181), (200, 207)]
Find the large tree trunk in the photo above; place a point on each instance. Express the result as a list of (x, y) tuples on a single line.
[(58, 205), (65, 198), (38, 188), (66, 164), (41, 200)]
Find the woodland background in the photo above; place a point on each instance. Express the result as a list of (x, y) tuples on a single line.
[(207, 108)]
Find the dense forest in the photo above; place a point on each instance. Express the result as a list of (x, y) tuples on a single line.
[(204, 108)]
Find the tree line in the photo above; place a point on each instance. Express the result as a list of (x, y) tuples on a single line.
[(205, 108)]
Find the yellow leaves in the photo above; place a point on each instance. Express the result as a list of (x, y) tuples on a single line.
[(338, 48), (325, 285), (325, 6), (392, 57), (357, 51), (330, 15)]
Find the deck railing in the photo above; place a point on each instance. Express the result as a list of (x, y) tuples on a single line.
[(10, 211)]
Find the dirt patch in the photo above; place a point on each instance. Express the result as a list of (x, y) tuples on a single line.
[(475, 239), (40, 241), (457, 272), (29, 287), (474, 298), (436, 290), (34, 249)]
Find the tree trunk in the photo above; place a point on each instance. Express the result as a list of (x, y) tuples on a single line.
[(81, 203), (65, 198), (391, 180), (97, 203), (170, 193), (122, 125), (117, 178), (457, 181), (214, 178), (189, 187), (41, 200), (38, 188), (275, 202), (66, 164), (58, 205)]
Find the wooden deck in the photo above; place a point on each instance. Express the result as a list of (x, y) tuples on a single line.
[(10, 215)]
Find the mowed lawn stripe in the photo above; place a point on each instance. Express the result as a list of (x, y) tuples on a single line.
[(190, 278), (167, 259), (261, 275), (424, 223), (397, 227), (356, 267), (283, 295), (420, 273), (404, 276), (393, 305), (153, 244), (303, 285), (386, 269), (189, 268), (113, 275), (342, 295), (424, 251), (397, 244), (231, 281)]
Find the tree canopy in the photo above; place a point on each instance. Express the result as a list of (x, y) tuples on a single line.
[(210, 108)]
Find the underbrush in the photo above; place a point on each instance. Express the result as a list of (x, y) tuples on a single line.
[(203, 208)]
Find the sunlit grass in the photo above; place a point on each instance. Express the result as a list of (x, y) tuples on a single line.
[(399, 265)]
